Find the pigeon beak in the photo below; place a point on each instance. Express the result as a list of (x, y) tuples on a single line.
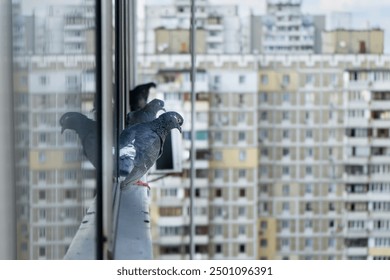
[(62, 130), (179, 129), (163, 109)]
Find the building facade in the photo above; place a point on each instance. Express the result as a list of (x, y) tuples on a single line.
[(348, 41), (314, 162), (53, 74), (284, 29), (226, 159), (366, 107), (221, 23)]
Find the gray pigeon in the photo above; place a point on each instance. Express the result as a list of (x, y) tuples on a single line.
[(85, 129), (141, 145), (146, 114), (139, 96)]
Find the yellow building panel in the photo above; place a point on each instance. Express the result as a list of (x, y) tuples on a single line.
[(236, 158), (49, 159), (379, 251), (267, 228), (286, 80)]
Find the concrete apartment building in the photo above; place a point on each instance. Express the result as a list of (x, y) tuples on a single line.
[(284, 29), (348, 41), (315, 189), (366, 217), (53, 74), (226, 159), (220, 28), (310, 199), (290, 149)]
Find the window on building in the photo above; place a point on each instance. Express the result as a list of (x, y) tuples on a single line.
[(218, 173), (285, 133), (308, 242), (286, 97), (309, 79), (285, 224), (42, 195), (42, 214), (43, 80), (217, 155), (242, 155), (308, 188), (217, 229), (42, 251), (242, 230), (242, 173), (309, 133), (242, 211), (286, 79), (286, 190), (264, 79), (241, 136)]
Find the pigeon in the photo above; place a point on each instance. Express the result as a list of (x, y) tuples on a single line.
[(140, 146), (146, 114), (139, 96), (85, 129)]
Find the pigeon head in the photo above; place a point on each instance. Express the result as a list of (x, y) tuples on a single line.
[(71, 120), (155, 105), (172, 120)]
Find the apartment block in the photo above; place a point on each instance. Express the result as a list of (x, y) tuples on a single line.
[(53, 74), (315, 189), (350, 41), (316, 140), (221, 24), (284, 29), (226, 159), (55, 185), (366, 218)]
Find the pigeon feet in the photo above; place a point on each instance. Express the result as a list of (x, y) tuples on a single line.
[(140, 183)]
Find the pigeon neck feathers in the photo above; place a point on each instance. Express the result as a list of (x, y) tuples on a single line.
[(166, 122), (79, 123)]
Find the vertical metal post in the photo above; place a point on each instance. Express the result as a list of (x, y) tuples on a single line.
[(132, 43), (193, 132), (7, 186), (99, 167), (107, 121)]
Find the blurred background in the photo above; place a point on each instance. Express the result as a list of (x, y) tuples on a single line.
[(291, 136)]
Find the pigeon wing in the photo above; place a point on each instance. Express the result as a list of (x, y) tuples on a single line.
[(127, 152), (147, 145)]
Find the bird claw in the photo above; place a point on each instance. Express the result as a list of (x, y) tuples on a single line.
[(143, 184)]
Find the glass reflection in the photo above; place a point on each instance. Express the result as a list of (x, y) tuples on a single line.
[(54, 73)]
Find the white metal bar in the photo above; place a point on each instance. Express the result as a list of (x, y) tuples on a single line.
[(107, 121), (7, 186), (193, 132)]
